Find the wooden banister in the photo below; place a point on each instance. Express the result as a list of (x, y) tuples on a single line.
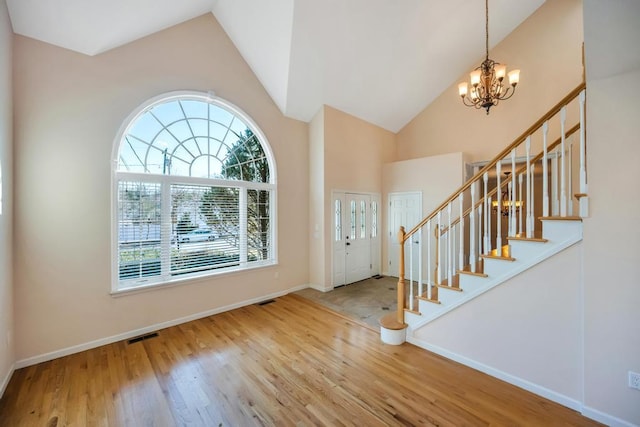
[(552, 112), (522, 169)]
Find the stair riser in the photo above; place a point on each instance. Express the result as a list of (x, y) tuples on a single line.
[(524, 249), (469, 282), (447, 297), (428, 308), (561, 230), (412, 318), (497, 267)]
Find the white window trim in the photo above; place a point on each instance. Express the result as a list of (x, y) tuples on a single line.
[(166, 180)]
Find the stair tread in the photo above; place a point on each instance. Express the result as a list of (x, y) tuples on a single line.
[(445, 282), (505, 254), (560, 218), (479, 269), (520, 237), (434, 295), (473, 273), (504, 258), (455, 283), (433, 301)]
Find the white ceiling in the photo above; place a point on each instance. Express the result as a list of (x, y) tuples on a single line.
[(380, 60)]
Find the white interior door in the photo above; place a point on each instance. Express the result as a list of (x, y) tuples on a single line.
[(405, 209)]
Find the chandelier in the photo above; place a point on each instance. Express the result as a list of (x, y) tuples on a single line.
[(505, 204), (487, 87)]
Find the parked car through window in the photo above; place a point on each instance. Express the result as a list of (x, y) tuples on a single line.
[(197, 236)]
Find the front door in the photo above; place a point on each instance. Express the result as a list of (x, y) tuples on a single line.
[(357, 239), (356, 242)]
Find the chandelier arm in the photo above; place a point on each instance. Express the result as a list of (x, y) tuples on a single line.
[(465, 99), (497, 88), (470, 103), (510, 88)]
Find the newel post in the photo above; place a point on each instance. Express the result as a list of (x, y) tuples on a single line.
[(400, 312)]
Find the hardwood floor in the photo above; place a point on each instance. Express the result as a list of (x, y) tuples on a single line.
[(290, 362)]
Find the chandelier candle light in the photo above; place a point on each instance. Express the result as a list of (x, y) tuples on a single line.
[(487, 87)]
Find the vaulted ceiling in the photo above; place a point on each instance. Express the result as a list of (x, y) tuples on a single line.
[(383, 61)]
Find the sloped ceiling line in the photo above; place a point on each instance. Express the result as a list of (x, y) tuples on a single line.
[(383, 61)]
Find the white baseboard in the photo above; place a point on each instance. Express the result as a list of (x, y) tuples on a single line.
[(511, 379), (604, 418), (137, 332), (319, 287), (5, 381), (297, 288), (567, 401)]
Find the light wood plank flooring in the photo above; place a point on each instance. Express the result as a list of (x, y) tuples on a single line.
[(288, 363)]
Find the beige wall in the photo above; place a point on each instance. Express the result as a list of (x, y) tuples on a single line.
[(6, 143), (547, 50), (355, 151), (68, 109), (352, 153), (611, 234)]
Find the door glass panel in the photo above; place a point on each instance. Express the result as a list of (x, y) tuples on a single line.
[(338, 221), (374, 219), (363, 219), (352, 231)]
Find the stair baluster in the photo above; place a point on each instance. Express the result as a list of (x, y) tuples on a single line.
[(545, 166), (583, 200), (472, 234), (499, 210), (520, 213), (512, 194), (429, 276), (563, 188)]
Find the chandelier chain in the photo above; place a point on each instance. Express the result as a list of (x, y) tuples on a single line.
[(486, 27)]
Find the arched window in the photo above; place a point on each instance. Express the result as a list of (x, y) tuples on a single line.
[(194, 192)]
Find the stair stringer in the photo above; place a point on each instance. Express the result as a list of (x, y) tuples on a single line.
[(548, 249)]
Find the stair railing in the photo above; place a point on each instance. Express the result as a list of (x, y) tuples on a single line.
[(503, 199)]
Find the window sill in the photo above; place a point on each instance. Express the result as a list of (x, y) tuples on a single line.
[(132, 290)]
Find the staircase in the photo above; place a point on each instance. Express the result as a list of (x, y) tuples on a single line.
[(521, 208)]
